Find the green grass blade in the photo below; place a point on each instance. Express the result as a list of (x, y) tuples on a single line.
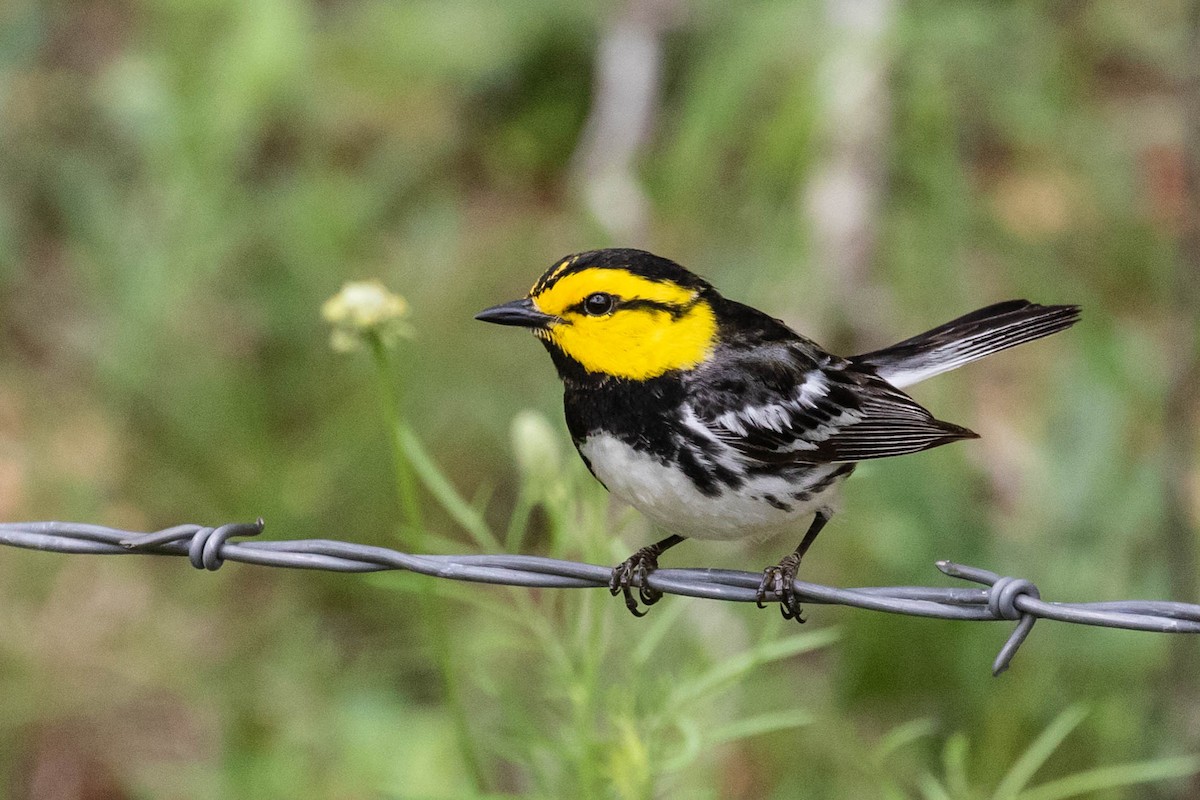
[(1022, 771), (902, 736), (932, 789), (954, 761), (758, 725), (518, 523), (691, 746), (734, 667), (454, 504), (1102, 778), (664, 621)]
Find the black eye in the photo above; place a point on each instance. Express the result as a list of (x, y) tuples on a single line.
[(599, 304)]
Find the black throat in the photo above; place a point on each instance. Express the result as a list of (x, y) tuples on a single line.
[(638, 412), (570, 371)]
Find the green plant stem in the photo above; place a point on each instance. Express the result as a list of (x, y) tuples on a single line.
[(586, 702), (423, 468), (406, 486), (431, 612)]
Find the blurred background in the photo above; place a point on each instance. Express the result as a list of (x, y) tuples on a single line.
[(183, 183)]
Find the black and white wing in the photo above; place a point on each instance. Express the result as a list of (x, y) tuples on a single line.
[(781, 404)]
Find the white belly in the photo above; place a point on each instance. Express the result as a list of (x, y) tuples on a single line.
[(669, 498)]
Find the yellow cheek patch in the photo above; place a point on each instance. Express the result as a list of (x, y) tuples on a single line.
[(636, 343)]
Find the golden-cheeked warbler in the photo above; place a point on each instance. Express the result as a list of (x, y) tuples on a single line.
[(718, 421)]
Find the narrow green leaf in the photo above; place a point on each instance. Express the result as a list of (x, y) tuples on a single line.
[(932, 788), (1024, 768), (454, 504), (760, 724), (731, 668), (663, 621), (690, 747), (1102, 778), (903, 735), (518, 523), (954, 761)]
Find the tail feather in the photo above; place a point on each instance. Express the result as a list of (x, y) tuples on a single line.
[(966, 339)]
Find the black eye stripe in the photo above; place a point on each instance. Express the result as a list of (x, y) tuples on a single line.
[(676, 310)]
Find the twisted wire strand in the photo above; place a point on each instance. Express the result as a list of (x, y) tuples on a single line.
[(1005, 598)]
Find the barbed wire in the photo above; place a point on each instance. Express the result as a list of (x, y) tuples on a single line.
[(1005, 598)]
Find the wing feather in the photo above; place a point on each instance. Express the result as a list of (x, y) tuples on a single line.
[(798, 410)]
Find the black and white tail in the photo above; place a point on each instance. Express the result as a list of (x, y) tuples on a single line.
[(970, 337)]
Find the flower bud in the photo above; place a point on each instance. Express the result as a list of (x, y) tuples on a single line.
[(535, 444)]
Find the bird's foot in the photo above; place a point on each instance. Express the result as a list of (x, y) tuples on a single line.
[(780, 580), (636, 569)]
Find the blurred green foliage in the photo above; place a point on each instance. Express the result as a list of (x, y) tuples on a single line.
[(182, 184)]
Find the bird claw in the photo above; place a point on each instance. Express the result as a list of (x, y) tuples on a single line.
[(636, 569), (780, 580)]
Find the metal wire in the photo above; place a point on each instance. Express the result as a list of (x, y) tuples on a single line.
[(1006, 598)]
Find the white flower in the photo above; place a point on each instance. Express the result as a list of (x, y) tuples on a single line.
[(363, 309)]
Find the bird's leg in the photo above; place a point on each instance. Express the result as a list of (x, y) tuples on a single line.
[(639, 566), (781, 578)]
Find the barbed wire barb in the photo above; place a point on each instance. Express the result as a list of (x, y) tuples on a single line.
[(1005, 598)]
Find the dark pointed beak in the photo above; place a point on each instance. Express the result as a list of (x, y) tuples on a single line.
[(521, 313)]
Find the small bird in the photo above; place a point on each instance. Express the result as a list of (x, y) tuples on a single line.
[(720, 422)]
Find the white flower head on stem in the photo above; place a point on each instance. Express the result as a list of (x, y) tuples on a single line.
[(362, 310)]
